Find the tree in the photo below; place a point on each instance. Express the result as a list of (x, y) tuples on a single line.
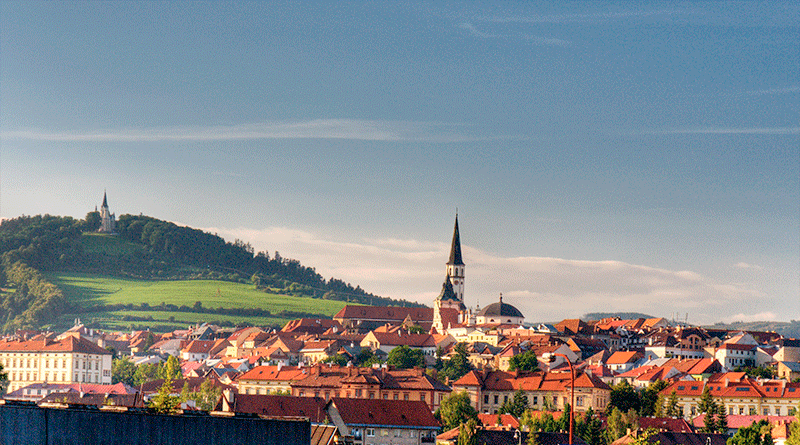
[(624, 397), (3, 380), (708, 406), (458, 365), (650, 399), (406, 357), (164, 402), (592, 431), (643, 438), (171, 369), (758, 433), (672, 405), (123, 371), (206, 397), (525, 361), (92, 221), (467, 433), (722, 419), (338, 359), (659, 410), (455, 410), (145, 373), (619, 423), (794, 430), (516, 405)]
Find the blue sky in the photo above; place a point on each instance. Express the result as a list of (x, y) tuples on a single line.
[(602, 156)]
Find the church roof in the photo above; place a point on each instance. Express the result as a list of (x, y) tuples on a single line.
[(105, 200), (501, 309), (447, 292), (455, 248)]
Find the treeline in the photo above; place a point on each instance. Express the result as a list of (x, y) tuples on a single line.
[(34, 301), (238, 261)]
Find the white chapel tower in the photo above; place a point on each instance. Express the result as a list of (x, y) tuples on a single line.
[(108, 221)]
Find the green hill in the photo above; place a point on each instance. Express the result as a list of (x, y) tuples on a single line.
[(127, 303), (155, 274)]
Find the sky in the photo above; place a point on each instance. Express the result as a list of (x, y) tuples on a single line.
[(601, 156)]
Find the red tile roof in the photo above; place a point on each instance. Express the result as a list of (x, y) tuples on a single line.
[(67, 344), (398, 413), (312, 408)]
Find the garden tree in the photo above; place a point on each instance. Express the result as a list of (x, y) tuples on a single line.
[(756, 434), (458, 365), (619, 422), (171, 369), (708, 406), (206, 397), (145, 372), (542, 422), (456, 409), (367, 358), (416, 329), (123, 371), (338, 359), (164, 402), (672, 405), (592, 428), (563, 421), (794, 429), (467, 433), (525, 361), (516, 405), (650, 398), (3, 380), (643, 438), (763, 372), (92, 221), (659, 408), (624, 397), (405, 357), (722, 419)]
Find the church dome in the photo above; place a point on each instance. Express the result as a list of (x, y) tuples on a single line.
[(500, 309)]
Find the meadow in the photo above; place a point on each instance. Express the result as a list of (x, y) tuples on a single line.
[(87, 290)]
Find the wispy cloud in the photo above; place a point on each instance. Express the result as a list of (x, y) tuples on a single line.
[(474, 31), (721, 130), (760, 316), (536, 40), (545, 289), (571, 18), (788, 90), (546, 41), (353, 129), (742, 265)]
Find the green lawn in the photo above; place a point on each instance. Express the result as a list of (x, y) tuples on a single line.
[(109, 244), (89, 289)]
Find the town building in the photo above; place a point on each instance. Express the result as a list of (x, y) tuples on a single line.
[(72, 359), (108, 223)]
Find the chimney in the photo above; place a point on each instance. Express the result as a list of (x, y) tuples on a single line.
[(228, 400)]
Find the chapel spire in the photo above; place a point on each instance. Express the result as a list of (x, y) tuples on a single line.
[(455, 247)]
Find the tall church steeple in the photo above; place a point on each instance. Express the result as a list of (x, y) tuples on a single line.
[(108, 222), (455, 265)]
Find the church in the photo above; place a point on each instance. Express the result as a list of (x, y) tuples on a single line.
[(108, 223), (451, 298)]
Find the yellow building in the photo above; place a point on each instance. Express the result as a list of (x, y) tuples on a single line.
[(69, 360)]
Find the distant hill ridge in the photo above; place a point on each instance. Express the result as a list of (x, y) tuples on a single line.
[(144, 248)]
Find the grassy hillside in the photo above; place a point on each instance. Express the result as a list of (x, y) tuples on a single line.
[(87, 290)]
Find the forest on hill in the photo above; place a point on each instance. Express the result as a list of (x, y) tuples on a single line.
[(145, 248)]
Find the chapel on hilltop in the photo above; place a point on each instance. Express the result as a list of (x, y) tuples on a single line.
[(108, 223)]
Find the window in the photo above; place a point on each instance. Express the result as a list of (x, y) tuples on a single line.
[(396, 396), (496, 399), (535, 400), (370, 432), (385, 396), (406, 396), (422, 396), (766, 411)]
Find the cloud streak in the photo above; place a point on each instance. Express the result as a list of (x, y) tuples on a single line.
[(349, 129), (545, 289), (722, 130), (573, 18)]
